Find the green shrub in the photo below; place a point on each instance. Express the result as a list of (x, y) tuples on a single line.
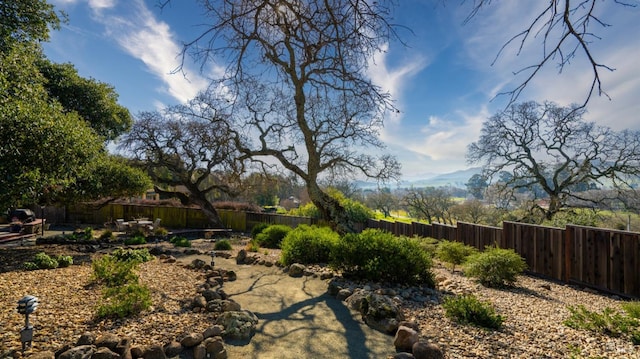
[(609, 322), (307, 210), (468, 309), (88, 233), (160, 232), (495, 267), (132, 255), (257, 229), (454, 253), (135, 240), (379, 255), (222, 245), (308, 244), (42, 261), (64, 261), (179, 241), (112, 272), (125, 300), (253, 246), (272, 236)]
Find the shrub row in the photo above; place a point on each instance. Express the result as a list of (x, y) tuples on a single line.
[(44, 261)]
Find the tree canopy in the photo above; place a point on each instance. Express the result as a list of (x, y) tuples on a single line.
[(553, 148), (295, 82)]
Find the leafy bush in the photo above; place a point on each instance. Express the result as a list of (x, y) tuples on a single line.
[(468, 309), (112, 272), (125, 300), (160, 232), (257, 229), (135, 240), (222, 245), (41, 261), (379, 255), (106, 235), (306, 210), (454, 253), (253, 246), (609, 322), (64, 261), (179, 241), (308, 244), (88, 233), (495, 267), (272, 236), (132, 255)]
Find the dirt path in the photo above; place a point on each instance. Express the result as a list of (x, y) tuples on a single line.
[(297, 318)]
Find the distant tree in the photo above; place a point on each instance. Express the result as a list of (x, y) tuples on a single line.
[(476, 185), (429, 203), (383, 200), (296, 80), (96, 102), (262, 188), (570, 29), (552, 147), (471, 211), (188, 154)]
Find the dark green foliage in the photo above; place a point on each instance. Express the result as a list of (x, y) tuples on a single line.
[(135, 240), (123, 301), (308, 244), (609, 322), (454, 253), (257, 229), (272, 236), (179, 241), (106, 235), (495, 267), (222, 245), (132, 255), (467, 309), (380, 256), (42, 261)]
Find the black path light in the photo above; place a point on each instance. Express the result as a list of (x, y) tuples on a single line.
[(213, 257), (26, 306)]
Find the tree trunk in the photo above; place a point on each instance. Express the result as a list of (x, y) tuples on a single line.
[(197, 198), (330, 209)]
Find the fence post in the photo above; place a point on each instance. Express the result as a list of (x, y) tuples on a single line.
[(568, 248)]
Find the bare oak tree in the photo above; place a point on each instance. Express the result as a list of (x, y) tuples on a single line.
[(429, 203), (551, 148), (187, 157), (567, 30), (295, 82)]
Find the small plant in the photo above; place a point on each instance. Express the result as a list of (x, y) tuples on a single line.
[(88, 233), (160, 232), (257, 229), (632, 309), (495, 267), (222, 245), (272, 236), (41, 261), (107, 235), (468, 309), (112, 272), (64, 261), (454, 253), (124, 301), (180, 241), (135, 240), (132, 255), (253, 246), (607, 322)]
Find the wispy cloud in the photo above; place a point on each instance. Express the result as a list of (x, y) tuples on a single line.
[(137, 31)]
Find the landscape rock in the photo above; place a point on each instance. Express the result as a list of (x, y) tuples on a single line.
[(108, 340), (378, 311), (344, 294), (79, 352), (200, 302), (424, 350), (172, 349), (104, 353), (192, 340), (86, 338), (198, 263), (199, 352), (296, 270), (238, 325), (405, 338), (154, 352), (241, 256), (403, 355), (43, 355), (213, 331)]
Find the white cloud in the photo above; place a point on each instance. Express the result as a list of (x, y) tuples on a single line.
[(137, 31)]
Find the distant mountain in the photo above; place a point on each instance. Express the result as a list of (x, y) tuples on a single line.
[(454, 179)]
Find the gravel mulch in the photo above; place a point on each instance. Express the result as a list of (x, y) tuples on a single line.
[(534, 312)]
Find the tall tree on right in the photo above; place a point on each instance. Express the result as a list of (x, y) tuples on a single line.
[(551, 147)]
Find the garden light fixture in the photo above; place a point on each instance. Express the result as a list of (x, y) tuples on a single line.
[(26, 306)]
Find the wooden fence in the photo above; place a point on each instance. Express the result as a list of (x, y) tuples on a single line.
[(604, 259)]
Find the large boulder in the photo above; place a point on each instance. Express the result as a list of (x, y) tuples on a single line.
[(424, 350), (405, 338), (79, 352), (192, 340), (296, 270), (238, 324)]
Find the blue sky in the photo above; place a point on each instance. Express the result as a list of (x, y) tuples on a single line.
[(444, 81)]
